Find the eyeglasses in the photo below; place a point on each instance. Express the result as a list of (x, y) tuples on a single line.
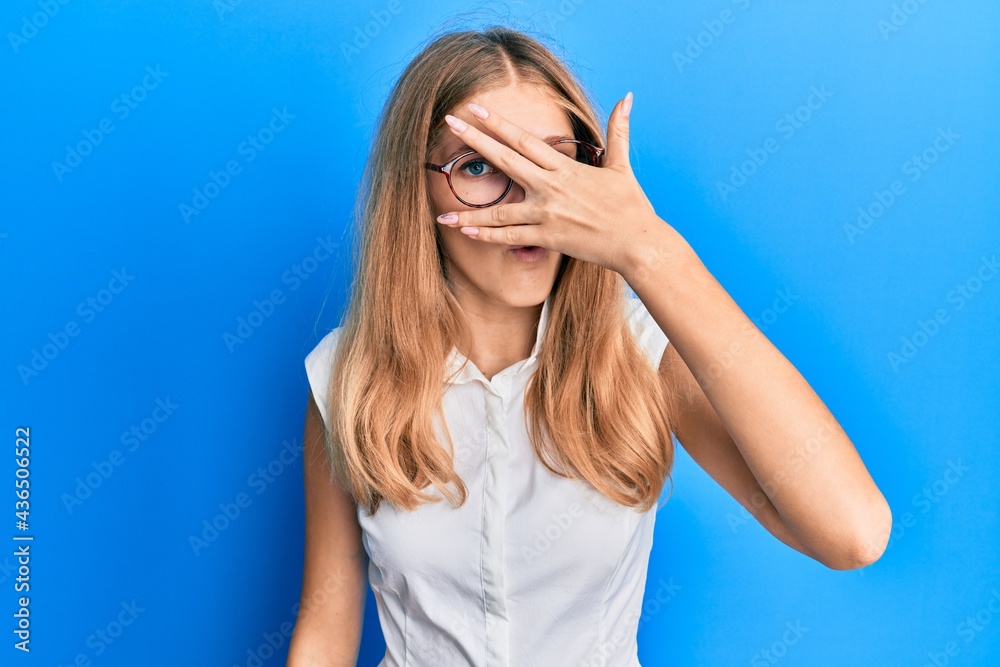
[(477, 183)]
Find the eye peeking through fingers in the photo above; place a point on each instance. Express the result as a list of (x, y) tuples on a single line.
[(478, 166)]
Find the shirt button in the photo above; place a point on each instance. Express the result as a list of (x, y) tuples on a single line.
[(505, 379)]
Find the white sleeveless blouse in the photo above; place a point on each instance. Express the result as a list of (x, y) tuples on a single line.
[(534, 570)]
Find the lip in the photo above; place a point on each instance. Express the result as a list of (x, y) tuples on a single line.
[(527, 256)]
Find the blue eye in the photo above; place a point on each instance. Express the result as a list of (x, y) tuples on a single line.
[(477, 167)]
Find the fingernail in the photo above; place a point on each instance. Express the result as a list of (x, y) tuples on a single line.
[(447, 218), (627, 107), (456, 123), (478, 111), (470, 231)]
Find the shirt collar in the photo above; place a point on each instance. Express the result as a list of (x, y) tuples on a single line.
[(470, 372)]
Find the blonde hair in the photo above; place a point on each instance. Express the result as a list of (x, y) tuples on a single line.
[(604, 408)]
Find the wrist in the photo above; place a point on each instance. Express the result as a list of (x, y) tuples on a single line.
[(651, 254)]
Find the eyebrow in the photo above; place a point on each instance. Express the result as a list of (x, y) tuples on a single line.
[(462, 147)]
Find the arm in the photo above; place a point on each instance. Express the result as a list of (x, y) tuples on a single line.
[(334, 578), (794, 449), (749, 418), (703, 435)]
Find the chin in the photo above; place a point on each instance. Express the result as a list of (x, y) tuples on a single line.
[(526, 296), (526, 299)]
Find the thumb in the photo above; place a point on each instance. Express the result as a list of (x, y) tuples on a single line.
[(618, 130)]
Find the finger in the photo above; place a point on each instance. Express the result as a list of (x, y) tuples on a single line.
[(524, 142), (505, 158), (618, 131), (515, 235), (492, 216)]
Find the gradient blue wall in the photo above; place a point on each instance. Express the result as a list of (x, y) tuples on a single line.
[(177, 183)]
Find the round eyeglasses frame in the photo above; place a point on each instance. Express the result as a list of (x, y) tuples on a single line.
[(595, 158)]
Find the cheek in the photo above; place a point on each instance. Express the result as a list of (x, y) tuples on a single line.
[(462, 247), (441, 199)]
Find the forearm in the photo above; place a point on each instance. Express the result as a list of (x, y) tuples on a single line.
[(796, 449)]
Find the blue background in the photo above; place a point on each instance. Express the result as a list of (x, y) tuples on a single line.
[(711, 89)]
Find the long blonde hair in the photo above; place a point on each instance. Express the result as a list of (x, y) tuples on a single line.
[(606, 413)]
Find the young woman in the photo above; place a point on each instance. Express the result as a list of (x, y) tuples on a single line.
[(490, 430)]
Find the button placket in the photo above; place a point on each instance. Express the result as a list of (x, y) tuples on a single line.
[(494, 533), (504, 387)]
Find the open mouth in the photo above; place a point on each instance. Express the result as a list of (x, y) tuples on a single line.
[(527, 253)]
